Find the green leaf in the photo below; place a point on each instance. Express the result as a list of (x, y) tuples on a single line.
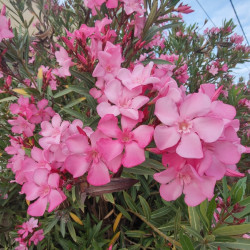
[(194, 218), (109, 197), (131, 204), (72, 231), (238, 244), (7, 99), (186, 243), (50, 225), (210, 210), (62, 228), (177, 223), (160, 212), (74, 113), (74, 102), (124, 212), (145, 207), (232, 230), (193, 232), (156, 61), (140, 170), (135, 233), (62, 93)]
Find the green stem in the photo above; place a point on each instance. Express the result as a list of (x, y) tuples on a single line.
[(167, 238)]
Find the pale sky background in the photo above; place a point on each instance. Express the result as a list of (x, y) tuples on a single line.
[(219, 10)]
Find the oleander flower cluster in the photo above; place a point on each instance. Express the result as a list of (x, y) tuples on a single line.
[(29, 232), (141, 105)]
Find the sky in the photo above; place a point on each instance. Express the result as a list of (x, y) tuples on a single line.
[(219, 10)]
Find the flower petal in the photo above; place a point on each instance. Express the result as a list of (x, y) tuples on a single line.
[(166, 111), (143, 135), (208, 128), (171, 191), (40, 176), (109, 148), (38, 207), (105, 108), (165, 137), (166, 176), (77, 165), (108, 125), (190, 146), (133, 156), (194, 105), (98, 174), (77, 144), (55, 199)]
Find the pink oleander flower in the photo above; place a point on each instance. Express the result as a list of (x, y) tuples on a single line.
[(27, 227), (87, 157), (213, 70), (185, 9), (125, 102), (138, 77), (109, 62), (92, 4), (23, 107), (224, 67), (42, 158), (185, 179), (131, 141), (5, 32), (64, 61), (42, 113), (37, 237), (20, 125), (44, 188), (186, 125), (53, 131), (111, 4), (131, 6)]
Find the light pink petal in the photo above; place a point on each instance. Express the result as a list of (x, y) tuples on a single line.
[(208, 89), (98, 71), (77, 165), (194, 105), (113, 91), (126, 77), (128, 123), (31, 190), (143, 135), (234, 172), (55, 199), (223, 110), (208, 128), (165, 137), (130, 113), (78, 144), (109, 148), (36, 154), (56, 121), (216, 169), (108, 125), (166, 176), (205, 162), (40, 176), (53, 180), (227, 152), (207, 186), (171, 191), (115, 164), (105, 108), (134, 155), (46, 128), (190, 146), (38, 207), (173, 160), (193, 193), (98, 174), (166, 111), (139, 101)]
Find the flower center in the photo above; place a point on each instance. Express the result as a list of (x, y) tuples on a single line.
[(184, 127), (126, 136), (45, 190), (184, 178)]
